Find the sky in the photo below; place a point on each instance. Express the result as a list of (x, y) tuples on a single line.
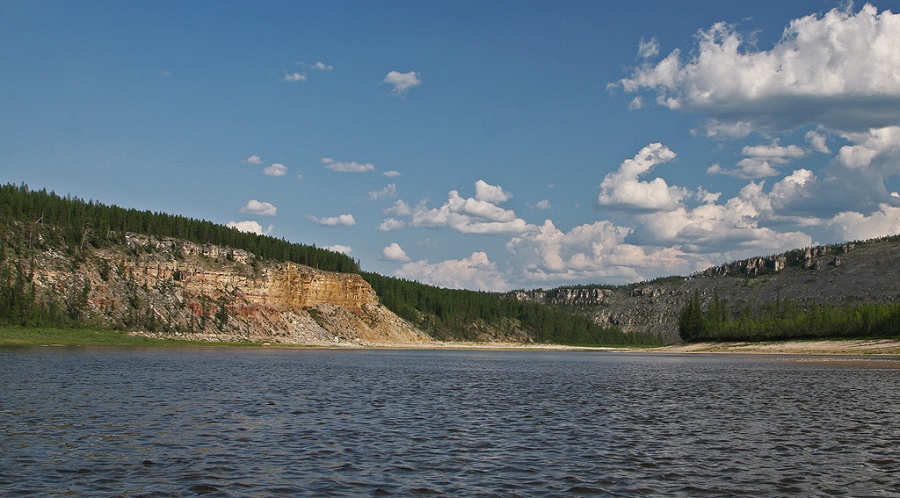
[(467, 144)]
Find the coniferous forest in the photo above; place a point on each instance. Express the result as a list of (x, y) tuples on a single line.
[(449, 314), (39, 220), (76, 223), (784, 319)]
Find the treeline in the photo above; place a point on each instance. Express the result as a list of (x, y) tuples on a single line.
[(458, 315), (54, 221), (785, 319)]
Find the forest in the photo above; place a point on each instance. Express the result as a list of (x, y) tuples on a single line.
[(75, 224), (37, 221), (449, 314), (785, 320)]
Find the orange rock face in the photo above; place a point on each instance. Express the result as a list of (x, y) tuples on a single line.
[(295, 286)]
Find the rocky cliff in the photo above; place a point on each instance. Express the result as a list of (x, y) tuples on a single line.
[(169, 287), (840, 274)]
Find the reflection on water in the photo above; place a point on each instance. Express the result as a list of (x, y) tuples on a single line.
[(261, 422)]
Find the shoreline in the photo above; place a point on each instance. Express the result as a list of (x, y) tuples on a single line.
[(811, 347), (14, 336)]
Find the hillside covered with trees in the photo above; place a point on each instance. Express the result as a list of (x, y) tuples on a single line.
[(449, 314), (41, 222), (78, 224)]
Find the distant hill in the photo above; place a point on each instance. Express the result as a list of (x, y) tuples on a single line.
[(842, 278)]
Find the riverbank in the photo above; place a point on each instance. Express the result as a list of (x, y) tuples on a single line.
[(27, 336), (20, 336)]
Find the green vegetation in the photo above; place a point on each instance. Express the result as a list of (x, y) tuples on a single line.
[(461, 315), (36, 221), (48, 220), (785, 319), (29, 336)]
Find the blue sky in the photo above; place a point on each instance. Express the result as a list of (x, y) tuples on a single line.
[(469, 144)]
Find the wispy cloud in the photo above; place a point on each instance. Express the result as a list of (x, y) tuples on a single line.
[(347, 167), (648, 48), (343, 220), (294, 77), (388, 192)]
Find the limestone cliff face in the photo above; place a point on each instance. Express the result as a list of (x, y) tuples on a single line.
[(169, 287)]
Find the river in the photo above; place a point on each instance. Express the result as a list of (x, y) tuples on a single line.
[(321, 422)]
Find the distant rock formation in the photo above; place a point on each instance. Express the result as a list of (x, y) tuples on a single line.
[(851, 273)]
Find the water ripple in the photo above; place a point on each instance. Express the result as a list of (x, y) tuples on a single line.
[(109, 422)]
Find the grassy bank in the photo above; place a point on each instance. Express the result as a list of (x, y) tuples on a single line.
[(28, 336)]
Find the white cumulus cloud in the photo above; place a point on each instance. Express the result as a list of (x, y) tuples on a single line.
[(592, 252), (817, 141), (394, 252), (402, 81), (400, 208), (623, 190), (857, 226), (275, 169), (254, 159), (475, 272), (339, 248), (490, 193), (261, 208), (391, 224), (837, 69), (250, 227), (761, 161), (471, 215)]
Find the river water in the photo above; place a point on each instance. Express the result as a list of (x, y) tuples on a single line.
[(264, 422)]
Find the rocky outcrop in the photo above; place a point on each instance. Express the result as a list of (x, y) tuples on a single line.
[(842, 274), (172, 288), (564, 296)]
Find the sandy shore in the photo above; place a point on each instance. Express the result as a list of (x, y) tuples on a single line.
[(881, 353), (837, 347)]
